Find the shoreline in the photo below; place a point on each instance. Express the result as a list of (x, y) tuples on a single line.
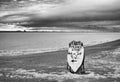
[(36, 51), (101, 64)]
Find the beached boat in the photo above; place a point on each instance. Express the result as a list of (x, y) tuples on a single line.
[(75, 57)]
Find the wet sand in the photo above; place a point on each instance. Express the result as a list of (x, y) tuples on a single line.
[(102, 64)]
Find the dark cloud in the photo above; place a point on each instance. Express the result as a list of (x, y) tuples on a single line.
[(41, 13)]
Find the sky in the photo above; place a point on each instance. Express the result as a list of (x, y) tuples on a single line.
[(69, 14)]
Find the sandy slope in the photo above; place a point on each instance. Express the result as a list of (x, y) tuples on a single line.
[(102, 64)]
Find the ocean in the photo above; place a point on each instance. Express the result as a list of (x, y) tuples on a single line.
[(18, 43)]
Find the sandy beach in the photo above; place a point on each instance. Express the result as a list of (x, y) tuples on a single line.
[(101, 64), (35, 36)]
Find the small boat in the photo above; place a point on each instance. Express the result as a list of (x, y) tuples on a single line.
[(75, 57)]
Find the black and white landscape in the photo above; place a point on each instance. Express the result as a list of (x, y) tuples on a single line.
[(34, 37)]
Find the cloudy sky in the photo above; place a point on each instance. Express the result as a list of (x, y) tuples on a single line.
[(63, 14)]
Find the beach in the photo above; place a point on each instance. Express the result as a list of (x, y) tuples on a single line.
[(102, 64), (36, 40)]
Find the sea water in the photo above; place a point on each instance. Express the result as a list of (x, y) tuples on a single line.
[(13, 44)]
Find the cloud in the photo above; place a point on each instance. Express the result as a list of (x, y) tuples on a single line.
[(55, 12), (67, 9), (7, 27), (15, 18)]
